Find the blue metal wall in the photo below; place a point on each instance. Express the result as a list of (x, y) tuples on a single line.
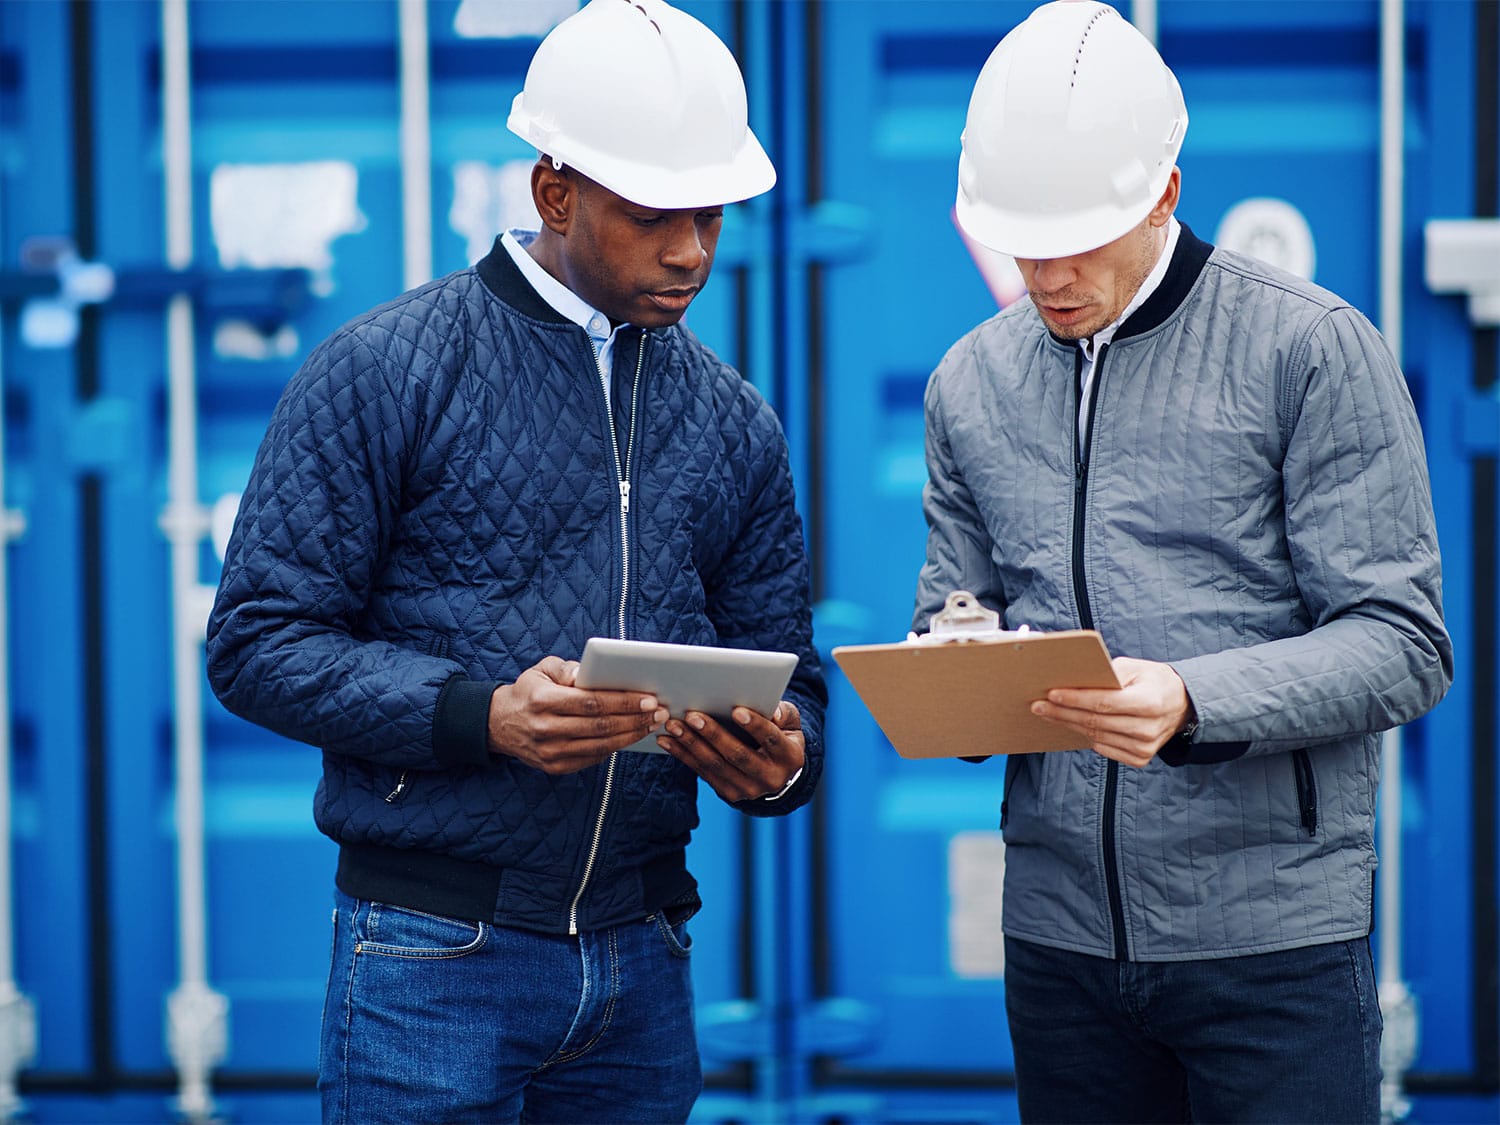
[(845, 962)]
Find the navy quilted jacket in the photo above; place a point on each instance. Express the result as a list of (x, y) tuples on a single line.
[(436, 507)]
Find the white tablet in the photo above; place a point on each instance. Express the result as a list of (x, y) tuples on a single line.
[(687, 677)]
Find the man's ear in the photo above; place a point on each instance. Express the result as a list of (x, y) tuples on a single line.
[(554, 191), (1168, 201)]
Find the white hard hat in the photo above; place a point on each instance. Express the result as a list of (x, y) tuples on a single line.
[(1072, 134), (644, 99)]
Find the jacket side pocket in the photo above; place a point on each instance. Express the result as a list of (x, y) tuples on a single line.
[(1307, 790)]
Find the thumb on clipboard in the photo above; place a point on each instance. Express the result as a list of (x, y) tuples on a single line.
[(1130, 723)]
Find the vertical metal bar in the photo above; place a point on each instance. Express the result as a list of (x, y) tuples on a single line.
[(1391, 142), (773, 1070), (1392, 167), (813, 484), (1143, 15), (768, 51), (416, 145), (1391, 181), (784, 984), (196, 1015), (1398, 1046)]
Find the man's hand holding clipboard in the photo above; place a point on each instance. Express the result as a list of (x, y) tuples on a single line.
[(972, 689), (1130, 724)]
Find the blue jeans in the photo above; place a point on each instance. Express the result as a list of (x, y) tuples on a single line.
[(1277, 1037), (431, 1019)]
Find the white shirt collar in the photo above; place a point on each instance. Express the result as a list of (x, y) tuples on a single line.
[(563, 300), (1142, 295)]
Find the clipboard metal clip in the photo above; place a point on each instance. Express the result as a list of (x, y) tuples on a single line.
[(963, 618)]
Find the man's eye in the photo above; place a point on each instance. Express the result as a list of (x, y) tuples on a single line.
[(647, 220), (710, 216)]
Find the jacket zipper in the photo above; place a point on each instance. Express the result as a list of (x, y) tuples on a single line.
[(622, 480), (1086, 620)]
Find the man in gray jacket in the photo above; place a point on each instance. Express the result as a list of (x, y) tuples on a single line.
[(1218, 466)]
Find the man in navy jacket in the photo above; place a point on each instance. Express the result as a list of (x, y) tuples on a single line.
[(455, 492)]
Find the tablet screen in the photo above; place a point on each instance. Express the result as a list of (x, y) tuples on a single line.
[(687, 677)]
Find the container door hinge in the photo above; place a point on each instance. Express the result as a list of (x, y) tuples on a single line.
[(1463, 256), (17, 1046), (54, 284)]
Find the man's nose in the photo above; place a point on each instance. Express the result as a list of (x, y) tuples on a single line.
[(1051, 274), (685, 249)]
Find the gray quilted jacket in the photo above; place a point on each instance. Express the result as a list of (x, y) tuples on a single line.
[(435, 507), (1252, 508)]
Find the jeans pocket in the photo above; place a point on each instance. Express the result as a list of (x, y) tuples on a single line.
[(678, 943), (395, 931)]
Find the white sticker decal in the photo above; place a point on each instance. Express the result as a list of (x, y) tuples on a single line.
[(976, 874), (221, 522), (488, 200), (510, 19), (270, 216), (1273, 231)]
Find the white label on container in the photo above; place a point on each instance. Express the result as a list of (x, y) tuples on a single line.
[(1273, 231), (488, 200), (240, 339), (976, 874), (271, 216), (221, 522), (510, 19)]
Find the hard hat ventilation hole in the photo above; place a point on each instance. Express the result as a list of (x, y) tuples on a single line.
[(645, 13), (1083, 39)]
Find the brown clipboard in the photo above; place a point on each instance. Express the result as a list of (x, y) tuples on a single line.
[(970, 697)]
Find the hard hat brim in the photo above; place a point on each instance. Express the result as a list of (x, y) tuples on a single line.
[(1038, 238), (748, 174)]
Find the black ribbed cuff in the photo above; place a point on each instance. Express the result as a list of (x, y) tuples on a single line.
[(461, 725), (1180, 751)]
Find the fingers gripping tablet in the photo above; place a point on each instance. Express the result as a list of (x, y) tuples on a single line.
[(687, 677)]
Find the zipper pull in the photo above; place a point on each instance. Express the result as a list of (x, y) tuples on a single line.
[(1080, 472), (396, 792), (624, 497)]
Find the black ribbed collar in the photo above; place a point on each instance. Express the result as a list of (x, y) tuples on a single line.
[(503, 278), (1182, 274)]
